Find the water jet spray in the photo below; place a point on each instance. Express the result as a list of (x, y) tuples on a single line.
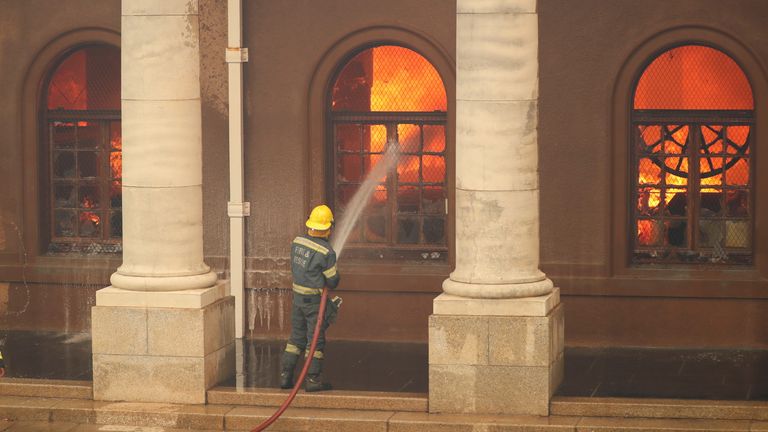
[(360, 200)]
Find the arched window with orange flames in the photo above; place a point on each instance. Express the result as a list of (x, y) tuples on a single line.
[(391, 94), (693, 129), (82, 138)]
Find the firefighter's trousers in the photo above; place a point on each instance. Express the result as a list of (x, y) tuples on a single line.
[(304, 314)]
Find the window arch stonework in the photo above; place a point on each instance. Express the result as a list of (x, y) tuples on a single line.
[(625, 123)]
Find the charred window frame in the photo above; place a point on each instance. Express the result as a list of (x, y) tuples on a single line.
[(406, 218), (692, 188), (82, 156)]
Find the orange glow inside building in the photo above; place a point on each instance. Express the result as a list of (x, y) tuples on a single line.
[(687, 79), (393, 79)]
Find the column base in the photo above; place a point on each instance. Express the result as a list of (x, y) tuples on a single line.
[(172, 351), (165, 283), (495, 356), (498, 291)]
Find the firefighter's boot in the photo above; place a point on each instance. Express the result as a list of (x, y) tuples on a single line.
[(314, 383), (286, 374)]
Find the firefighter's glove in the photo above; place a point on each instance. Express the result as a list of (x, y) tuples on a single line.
[(332, 309)]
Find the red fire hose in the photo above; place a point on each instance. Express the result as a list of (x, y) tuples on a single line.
[(312, 346)]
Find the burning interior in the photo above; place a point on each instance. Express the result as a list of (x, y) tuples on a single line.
[(693, 124), (392, 94), (84, 147)]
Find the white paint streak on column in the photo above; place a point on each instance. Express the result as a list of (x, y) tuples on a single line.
[(162, 152), (497, 191)]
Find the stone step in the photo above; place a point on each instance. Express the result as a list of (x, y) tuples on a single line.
[(612, 424), (335, 399), (46, 388), (206, 417), (309, 419), (298, 419), (162, 417), (659, 408)]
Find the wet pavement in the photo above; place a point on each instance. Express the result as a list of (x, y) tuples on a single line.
[(666, 373), (47, 355), (403, 367), (348, 365)]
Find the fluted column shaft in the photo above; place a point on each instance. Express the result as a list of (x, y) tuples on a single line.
[(497, 190), (162, 148)]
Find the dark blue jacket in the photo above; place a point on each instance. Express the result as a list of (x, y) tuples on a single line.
[(313, 265)]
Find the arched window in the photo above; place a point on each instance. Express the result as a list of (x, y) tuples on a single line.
[(692, 138), (391, 94), (82, 152)]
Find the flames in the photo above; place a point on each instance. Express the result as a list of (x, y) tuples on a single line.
[(651, 192), (68, 89), (87, 79), (403, 80), (693, 77), (116, 156), (89, 216), (116, 162), (690, 77), (650, 175), (391, 79), (649, 172)]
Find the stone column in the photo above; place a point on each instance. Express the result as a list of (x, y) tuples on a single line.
[(496, 334), (164, 330)]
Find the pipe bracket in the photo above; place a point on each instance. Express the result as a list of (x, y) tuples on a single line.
[(236, 55), (238, 209)]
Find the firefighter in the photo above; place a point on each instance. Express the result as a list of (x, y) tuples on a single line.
[(313, 266)]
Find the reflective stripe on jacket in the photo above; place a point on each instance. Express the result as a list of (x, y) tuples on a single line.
[(313, 265)]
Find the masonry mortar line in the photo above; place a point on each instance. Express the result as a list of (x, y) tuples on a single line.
[(161, 100), (161, 15), (497, 13), (161, 187), (497, 100), (498, 190)]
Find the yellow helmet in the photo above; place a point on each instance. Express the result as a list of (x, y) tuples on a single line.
[(321, 218)]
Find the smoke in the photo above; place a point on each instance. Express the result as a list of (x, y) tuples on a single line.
[(361, 197)]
